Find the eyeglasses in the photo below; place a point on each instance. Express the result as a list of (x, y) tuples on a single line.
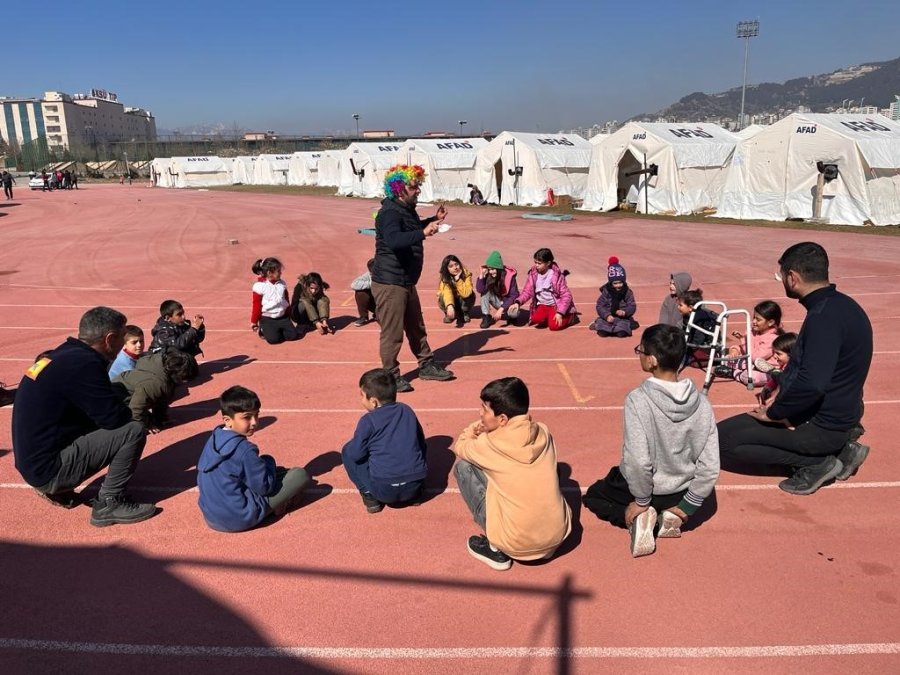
[(639, 350)]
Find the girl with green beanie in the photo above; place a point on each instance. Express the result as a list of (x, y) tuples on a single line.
[(498, 288)]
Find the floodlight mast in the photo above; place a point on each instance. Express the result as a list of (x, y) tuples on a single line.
[(745, 30)]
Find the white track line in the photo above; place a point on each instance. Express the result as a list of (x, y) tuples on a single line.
[(426, 653)]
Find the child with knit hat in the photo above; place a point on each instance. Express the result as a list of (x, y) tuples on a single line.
[(498, 288), (616, 305)]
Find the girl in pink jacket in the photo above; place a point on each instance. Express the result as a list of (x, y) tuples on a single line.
[(765, 327), (551, 300)]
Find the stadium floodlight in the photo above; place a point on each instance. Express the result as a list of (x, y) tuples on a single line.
[(745, 31), (461, 123), (356, 117)]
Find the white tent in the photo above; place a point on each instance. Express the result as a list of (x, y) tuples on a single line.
[(749, 132), (242, 170), (773, 175), (197, 172), (363, 168), (449, 165), (519, 168), (690, 158), (330, 168), (303, 169), (271, 170), (159, 173)]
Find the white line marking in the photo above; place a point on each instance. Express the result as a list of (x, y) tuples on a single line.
[(423, 653)]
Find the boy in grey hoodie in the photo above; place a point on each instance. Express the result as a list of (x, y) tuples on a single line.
[(670, 454), (679, 282)]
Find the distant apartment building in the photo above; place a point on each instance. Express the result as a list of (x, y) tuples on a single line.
[(64, 120), (894, 109)]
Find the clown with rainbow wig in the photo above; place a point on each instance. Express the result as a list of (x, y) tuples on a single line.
[(399, 255)]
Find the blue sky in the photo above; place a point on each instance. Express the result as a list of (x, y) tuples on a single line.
[(306, 67)]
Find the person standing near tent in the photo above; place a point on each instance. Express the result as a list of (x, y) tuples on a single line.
[(399, 255)]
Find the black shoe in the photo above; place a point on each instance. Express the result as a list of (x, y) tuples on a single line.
[(466, 318), (724, 371), (67, 499), (480, 549), (856, 432), (403, 385), (807, 480), (372, 505), (487, 321), (361, 321), (852, 456), (432, 371), (120, 510), (448, 319)]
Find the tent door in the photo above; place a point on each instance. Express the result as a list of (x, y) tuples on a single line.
[(628, 185)]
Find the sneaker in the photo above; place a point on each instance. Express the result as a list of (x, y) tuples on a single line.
[(669, 525), (852, 456), (120, 510), (724, 371), (449, 319), (807, 480), (764, 366), (856, 432), (487, 321), (372, 505), (361, 321), (466, 318), (641, 529), (7, 396), (430, 370), (68, 499), (480, 549), (403, 385)]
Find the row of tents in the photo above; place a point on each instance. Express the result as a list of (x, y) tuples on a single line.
[(765, 173)]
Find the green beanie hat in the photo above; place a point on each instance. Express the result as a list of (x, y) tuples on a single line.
[(494, 260)]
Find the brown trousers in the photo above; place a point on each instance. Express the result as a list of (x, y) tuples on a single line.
[(399, 312)]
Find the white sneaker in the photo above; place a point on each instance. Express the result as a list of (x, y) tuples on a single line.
[(642, 541), (764, 366), (669, 525)]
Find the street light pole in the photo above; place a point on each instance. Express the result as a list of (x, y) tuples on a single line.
[(746, 30), (127, 170), (356, 117), (461, 123)]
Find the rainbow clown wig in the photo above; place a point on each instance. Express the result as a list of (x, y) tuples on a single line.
[(399, 176)]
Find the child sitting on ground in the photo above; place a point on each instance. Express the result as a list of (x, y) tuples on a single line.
[(131, 351), (310, 307), (385, 459), (150, 386), (507, 476), (172, 329), (239, 487), (362, 294), (551, 300), (269, 309), (700, 333), (498, 288), (764, 328), (616, 305), (670, 453), (679, 282), (455, 293), (781, 354)]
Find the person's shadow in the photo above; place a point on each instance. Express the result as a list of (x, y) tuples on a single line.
[(440, 459), (706, 511), (571, 492), (341, 322), (191, 412), (470, 344), (209, 369)]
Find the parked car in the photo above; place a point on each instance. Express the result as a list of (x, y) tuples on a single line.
[(36, 183)]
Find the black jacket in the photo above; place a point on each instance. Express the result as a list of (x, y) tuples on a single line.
[(183, 336), (399, 252), (62, 397), (829, 364)]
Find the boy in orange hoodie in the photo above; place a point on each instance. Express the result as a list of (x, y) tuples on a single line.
[(507, 476)]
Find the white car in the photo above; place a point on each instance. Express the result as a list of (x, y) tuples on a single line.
[(36, 183)]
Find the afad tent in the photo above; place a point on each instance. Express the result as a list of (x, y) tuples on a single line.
[(773, 175), (271, 170), (690, 163), (449, 165), (197, 172), (363, 168), (330, 168), (749, 132), (520, 168), (303, 169), (160, 176), (242, 170)]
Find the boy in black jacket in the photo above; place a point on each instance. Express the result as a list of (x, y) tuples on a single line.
[(172, 329)]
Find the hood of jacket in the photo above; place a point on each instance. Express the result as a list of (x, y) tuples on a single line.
[(676, 400), (521, 440), (225, 443), (682, 281)]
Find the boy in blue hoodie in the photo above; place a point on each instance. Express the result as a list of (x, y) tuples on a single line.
[(385, 459), (239, 487)]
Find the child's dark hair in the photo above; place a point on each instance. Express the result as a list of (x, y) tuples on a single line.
[(785, 342), (691, 297), (133, 331), (771, 311), (666, 343), (169, 307), (179, 366), (506, 396), (379, 383), (265, 265), (304, 280), (445, 275), (238, 399), (544, 255)]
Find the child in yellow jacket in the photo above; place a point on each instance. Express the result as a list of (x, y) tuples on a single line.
[(455, 295)]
